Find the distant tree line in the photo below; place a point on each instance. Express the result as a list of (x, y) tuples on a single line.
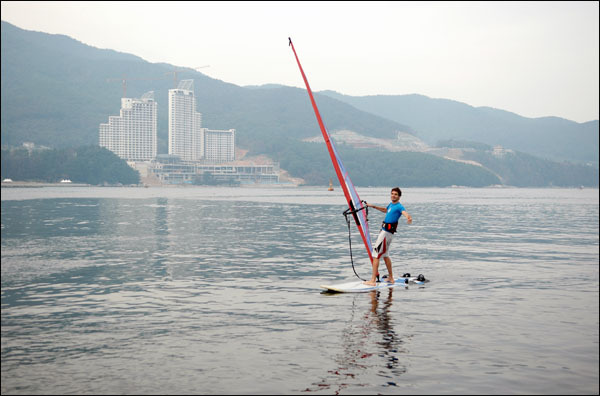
[(524, 170), (369, 167), (86, 164), (310, 161), (453, 143)]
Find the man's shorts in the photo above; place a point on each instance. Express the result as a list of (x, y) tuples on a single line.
[(382, 245)]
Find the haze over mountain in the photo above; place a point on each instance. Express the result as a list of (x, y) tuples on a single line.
[(434, 120), (56, 91)]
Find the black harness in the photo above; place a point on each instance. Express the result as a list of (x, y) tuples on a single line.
[(389, 227)]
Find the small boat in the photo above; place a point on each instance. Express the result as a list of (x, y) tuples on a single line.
[(65, 181)]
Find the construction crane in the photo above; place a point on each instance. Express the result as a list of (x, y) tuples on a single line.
[(124, 80), (179, 69)]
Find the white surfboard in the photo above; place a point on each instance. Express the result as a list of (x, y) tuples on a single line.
[(360, 287)]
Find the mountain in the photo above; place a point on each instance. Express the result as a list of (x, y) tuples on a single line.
[(56, 91), (433, 120)]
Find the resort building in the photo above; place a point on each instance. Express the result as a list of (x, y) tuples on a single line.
[(196, 155), (186, 136), (219, 145), (132, 135)]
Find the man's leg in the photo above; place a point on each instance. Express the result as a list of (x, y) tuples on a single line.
[(379, 250), (388, 264), (373, 280)]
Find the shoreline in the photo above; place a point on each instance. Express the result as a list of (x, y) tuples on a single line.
[(24, 184), (42, 184)]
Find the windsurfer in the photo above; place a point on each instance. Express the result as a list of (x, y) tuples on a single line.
[(381, 248)]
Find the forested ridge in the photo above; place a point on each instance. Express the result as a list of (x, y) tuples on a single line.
[(87, 164)]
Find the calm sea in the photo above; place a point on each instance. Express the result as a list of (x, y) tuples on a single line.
[(216, 291)]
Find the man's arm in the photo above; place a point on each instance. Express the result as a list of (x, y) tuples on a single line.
[(408, 216), (379, 208)]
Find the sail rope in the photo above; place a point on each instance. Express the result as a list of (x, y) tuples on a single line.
[(353, 213)]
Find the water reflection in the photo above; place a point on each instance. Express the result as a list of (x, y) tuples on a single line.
[(23, 221), (370, 345), (162, 233)]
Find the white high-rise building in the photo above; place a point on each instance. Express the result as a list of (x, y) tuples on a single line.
[(132, 135), (186, 136), (219, 145)]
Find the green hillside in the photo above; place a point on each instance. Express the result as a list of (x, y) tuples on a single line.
[(87, 164), (370, 167)]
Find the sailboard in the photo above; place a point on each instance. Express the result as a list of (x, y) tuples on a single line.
[(355, 205), (360, 287)]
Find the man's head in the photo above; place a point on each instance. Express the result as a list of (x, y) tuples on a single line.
[(396, 193)]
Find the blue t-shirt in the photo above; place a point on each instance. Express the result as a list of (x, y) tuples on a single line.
[(394, 211)]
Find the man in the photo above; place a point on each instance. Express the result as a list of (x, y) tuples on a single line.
[(381, 249)]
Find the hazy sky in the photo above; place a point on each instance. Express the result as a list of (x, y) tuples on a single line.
[(532, 58)]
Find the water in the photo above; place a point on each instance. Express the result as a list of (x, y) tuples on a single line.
[(215, 291)]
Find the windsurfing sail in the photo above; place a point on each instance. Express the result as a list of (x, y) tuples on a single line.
[(355, 205)]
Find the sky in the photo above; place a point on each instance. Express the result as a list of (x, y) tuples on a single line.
[(535, 59)]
